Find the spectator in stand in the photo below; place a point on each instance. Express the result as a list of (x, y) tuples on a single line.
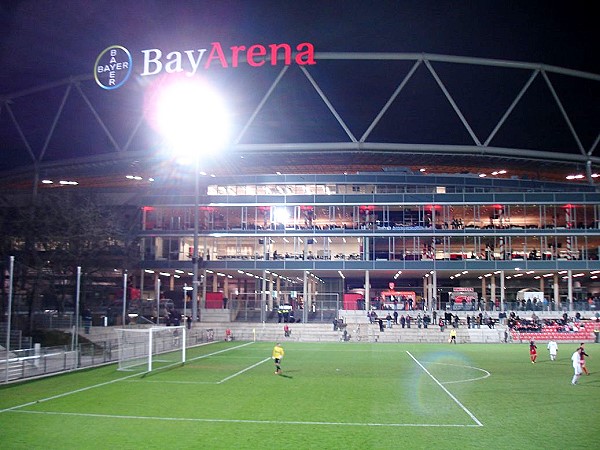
[(372, 316), (582, 355), (532, 351), (426, 320), (576, 360), (441, 324), (553, 349)]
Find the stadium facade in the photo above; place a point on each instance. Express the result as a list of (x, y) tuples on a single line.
[(361, 181), (355, 241)]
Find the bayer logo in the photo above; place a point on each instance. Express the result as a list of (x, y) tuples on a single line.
[(113, 67)]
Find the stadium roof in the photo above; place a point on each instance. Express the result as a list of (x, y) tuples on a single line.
[(452, 88)]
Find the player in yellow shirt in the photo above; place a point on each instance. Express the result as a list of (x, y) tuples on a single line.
[(277, 357), (452, 339)]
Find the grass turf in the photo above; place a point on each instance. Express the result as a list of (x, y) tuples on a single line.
[(330, 395)]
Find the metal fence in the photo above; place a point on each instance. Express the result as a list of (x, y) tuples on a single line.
[(246, 307), (42, 361), (590, 308), (17, 340), (36, 362)]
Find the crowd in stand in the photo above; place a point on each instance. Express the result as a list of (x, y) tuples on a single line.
[(387, 319), (535, 324), (404, 320), (447, 319)]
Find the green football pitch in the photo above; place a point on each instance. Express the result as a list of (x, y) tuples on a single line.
[(329, 396)]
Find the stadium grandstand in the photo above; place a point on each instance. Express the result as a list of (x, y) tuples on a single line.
[(343, 183)]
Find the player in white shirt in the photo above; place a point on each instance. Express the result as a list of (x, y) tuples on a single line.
[(576, 359), (553, 349)]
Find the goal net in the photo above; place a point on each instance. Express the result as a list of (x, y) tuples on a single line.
[(150, 348)]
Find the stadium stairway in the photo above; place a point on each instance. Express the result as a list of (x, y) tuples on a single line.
[(106, 335), (316, 332), (432, 334), (356, 332)]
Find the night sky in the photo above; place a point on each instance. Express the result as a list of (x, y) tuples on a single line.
[(46, 41), (42, 41)]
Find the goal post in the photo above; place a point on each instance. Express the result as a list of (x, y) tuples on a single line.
[(150, 348)]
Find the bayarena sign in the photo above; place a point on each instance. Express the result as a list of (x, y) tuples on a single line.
[(115, 63)]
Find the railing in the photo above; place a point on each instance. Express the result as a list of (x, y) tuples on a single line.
[(590, 307), (44, 320), (17, 340), (42, 361), (36, 362)]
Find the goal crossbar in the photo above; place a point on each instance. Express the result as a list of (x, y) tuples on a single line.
[(141, 348)]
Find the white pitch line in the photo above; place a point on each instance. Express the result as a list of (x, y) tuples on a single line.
[(249, 421), (487, 374), (243, 370), (175, 382), (220, 351), (446, 391), (206, 356), (64, 394)]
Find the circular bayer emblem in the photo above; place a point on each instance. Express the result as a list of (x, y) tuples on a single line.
[(113, 67)]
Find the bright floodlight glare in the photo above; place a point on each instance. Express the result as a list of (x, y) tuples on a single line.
[(192, 116), (281, 215)]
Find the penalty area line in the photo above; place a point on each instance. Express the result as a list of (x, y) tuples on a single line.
[(87, 388), (218, 352), (243, 370), (470, 414), (197, 358), (250, 421)]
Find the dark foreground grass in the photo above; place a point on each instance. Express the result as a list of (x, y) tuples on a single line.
[(337, 395)]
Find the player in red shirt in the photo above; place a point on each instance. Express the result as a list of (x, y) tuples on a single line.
[(532, 352), (583, 354)]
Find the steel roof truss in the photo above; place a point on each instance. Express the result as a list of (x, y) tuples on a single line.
[(452, 103)]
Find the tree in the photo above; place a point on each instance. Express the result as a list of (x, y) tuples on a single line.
[(63, 230)]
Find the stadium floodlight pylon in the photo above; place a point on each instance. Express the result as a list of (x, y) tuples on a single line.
[(141, 348)]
